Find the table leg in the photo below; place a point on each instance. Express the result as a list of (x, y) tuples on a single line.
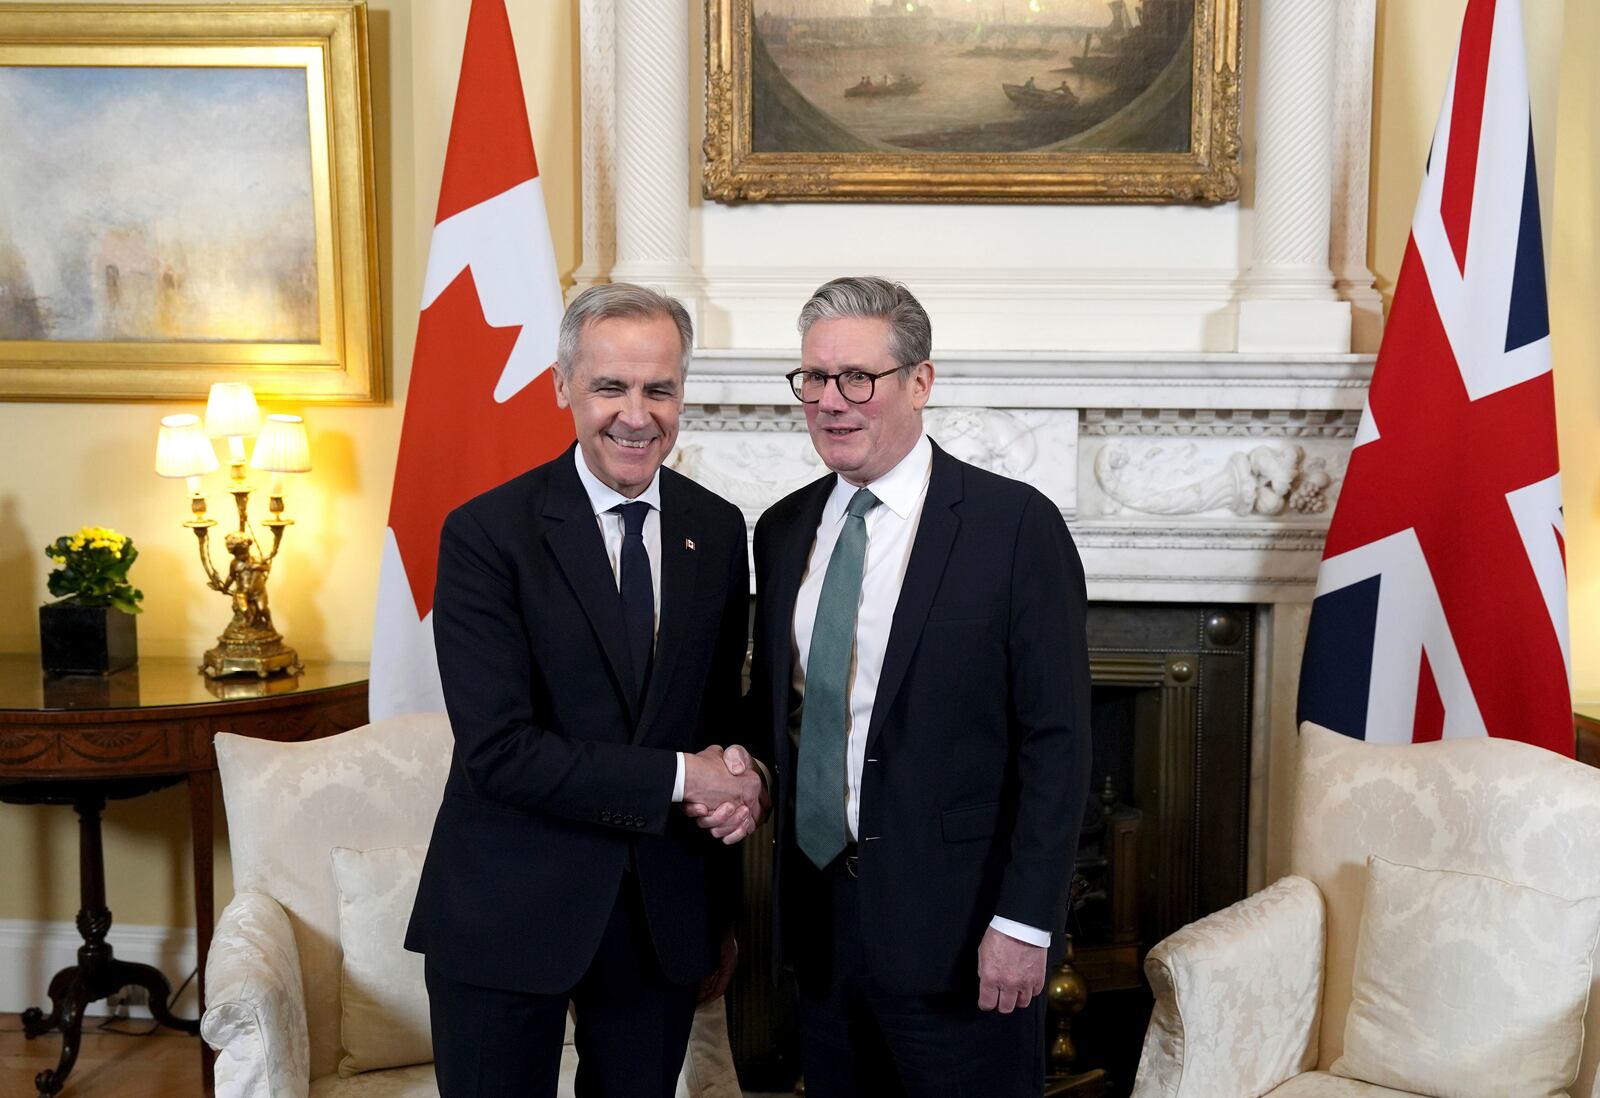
[(202, 823), (98, 973)]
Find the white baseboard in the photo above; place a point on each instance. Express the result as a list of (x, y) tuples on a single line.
[(32, 951)]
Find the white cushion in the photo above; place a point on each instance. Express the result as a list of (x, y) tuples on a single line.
[(1319, 1084), (1466, 986), (411, 1082), (383, 997)]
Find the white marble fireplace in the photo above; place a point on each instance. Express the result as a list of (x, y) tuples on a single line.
[(1183, 382)]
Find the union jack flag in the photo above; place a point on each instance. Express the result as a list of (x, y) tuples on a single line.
[(1441, 605)]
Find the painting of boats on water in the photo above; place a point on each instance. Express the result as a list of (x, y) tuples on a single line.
[(984, 76), (1050, 86)]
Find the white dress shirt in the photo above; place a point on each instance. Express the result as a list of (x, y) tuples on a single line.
[(603, 497), (891, 531)]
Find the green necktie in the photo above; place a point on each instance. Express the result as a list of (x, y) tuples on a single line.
[(819, 820)]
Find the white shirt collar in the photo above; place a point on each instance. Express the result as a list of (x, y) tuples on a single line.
[(898, 489), (603, 497)]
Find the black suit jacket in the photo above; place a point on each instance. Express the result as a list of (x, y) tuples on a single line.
[(556, 783), (977, 761)]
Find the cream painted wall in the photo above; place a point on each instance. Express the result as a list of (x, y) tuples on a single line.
[(324, 584), (63, 465), (1575, 331)]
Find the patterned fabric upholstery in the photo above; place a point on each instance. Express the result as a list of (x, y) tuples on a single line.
[(411, 1082), (256, 1018), (1468, 986), (1236, 997), (1493, 807), (273, 974), (383, 989), (289, 804), (1319, 1084)]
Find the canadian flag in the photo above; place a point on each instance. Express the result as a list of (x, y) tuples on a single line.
[(481, 405)]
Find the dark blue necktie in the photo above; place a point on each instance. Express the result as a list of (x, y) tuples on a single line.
[(638, 593)]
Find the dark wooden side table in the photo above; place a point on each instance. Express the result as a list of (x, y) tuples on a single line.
[(1586, 722), (84, 740)]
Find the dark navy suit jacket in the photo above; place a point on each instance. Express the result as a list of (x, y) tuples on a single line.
[(558, 781), (977, 764)]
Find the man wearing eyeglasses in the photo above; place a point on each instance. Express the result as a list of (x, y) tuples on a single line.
[(920, 659)]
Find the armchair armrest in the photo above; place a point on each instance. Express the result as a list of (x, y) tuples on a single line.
[(256, 1012), (1237, 997)]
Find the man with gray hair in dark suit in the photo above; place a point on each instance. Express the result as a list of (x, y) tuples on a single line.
[(920, 691), (590, 626)]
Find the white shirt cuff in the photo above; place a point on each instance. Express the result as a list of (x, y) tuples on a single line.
[(1022, 932), (677, 783)]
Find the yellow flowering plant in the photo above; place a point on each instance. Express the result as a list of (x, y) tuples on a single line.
[(93, 569)]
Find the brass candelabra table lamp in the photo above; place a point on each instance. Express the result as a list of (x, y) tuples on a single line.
[(250, 644)]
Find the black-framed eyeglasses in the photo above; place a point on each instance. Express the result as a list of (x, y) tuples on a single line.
[(856, 386)]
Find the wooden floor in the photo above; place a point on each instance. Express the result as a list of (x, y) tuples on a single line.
[(111, 1062)]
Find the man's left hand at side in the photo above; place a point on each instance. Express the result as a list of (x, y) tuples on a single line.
[(1010, 973), (715, 982)]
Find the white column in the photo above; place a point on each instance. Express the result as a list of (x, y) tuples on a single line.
[(1275, 738), (652, 145), (597, 29), (1288, 301), (1355, 26)]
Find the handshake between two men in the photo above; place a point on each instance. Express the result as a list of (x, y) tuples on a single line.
[(723, 790), (908, 600)]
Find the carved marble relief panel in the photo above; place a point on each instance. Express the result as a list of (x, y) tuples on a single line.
[(755, 455), (1247, 465)]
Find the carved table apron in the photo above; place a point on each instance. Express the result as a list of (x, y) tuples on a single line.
[(83, 740)]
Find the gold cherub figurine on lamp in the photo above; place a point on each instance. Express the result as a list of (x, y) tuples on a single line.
[(250, 644)]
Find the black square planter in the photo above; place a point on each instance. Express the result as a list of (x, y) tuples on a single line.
[(86, 640)]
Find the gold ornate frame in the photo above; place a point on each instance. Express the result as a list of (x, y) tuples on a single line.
[(329, 41), (1208, 172)]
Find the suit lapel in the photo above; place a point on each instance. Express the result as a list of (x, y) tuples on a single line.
[(680, 571), (936, 533), (790, 552), (575, 542)]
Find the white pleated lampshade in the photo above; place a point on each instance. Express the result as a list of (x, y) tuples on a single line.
[(282, 446), (231, 410), (182, 448)]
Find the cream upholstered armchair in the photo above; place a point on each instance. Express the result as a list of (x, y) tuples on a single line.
[(1437, 936), (309, 993)]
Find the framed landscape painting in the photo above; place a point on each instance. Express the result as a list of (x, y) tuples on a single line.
[(972, 100), (188, 197)]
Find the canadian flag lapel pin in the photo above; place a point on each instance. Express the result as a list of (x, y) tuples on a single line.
[(688, 543)]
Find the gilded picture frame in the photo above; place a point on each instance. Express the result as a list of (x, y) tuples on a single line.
[(1147, 108), (190, 198)]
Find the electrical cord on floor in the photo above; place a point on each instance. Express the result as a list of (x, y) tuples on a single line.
[(109, 1025)]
